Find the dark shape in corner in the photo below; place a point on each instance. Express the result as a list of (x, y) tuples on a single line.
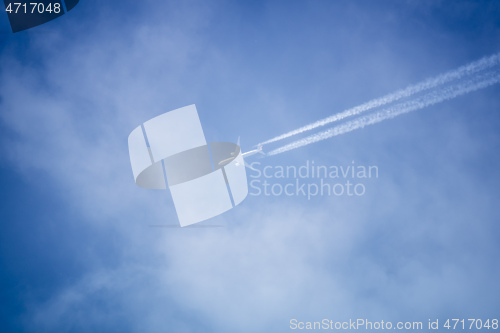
[(28, 14), (70, 4)]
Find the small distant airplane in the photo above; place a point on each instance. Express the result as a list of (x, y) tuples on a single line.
[(245, 155), (253, 152)]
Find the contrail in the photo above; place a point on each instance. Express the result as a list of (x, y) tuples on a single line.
[(440, 94), (457, 74)]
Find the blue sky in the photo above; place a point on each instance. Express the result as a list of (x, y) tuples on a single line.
[(77, 252)]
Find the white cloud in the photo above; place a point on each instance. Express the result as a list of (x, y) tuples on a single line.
[(407, 250)]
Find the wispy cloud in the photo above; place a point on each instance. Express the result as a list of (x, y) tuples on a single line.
[(68, 113)]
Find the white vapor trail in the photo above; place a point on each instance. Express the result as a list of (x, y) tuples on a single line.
[(440, 94), (457, 74)]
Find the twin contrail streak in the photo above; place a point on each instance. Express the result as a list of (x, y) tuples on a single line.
[(429, 84), (436, 95)]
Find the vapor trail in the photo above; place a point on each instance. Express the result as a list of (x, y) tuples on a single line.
[(440, 94), (457, 74)]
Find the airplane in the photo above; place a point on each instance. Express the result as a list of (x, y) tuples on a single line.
[(244, 155), (253, 152)]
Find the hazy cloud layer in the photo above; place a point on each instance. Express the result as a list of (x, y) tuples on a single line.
[(420, 244)]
